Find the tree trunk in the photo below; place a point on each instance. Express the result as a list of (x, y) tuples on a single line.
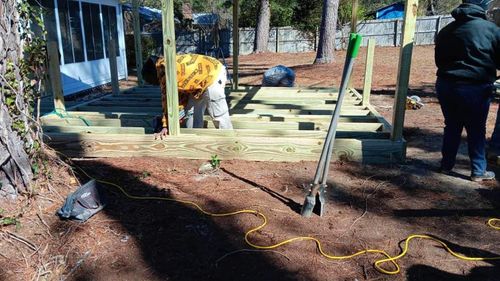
[(263, 25), (18, 131), (326, 45), (431, 7)]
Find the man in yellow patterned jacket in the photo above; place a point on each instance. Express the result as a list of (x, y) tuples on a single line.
[(200, 81)]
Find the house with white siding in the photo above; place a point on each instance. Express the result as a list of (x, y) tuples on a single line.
[(82, 30)]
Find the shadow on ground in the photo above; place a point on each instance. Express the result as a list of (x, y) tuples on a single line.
[(176, 242), (422, 272)]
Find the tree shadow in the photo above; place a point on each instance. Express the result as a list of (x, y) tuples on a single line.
[(421, 272), (176, 241)]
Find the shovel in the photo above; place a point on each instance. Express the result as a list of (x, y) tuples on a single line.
[(319, 185)]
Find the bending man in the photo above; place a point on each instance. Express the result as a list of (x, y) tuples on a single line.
[(200, 81)]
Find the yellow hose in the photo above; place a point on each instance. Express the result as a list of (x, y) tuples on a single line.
[(378, 263)]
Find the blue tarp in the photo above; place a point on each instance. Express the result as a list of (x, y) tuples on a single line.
[(148, 14), (393, 11), (205, 19)]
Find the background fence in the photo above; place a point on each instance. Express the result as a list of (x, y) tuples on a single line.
[(290, 40)]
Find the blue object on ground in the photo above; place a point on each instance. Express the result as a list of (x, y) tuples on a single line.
[(279, 76)]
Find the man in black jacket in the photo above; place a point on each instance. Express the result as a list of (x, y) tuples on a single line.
[(467, 56)]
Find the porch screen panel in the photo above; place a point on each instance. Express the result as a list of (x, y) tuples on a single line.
[(110, 26), (93, 32), (71, 32), (76, 30), (62, 6)]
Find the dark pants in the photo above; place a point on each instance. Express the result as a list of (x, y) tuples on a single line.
[(464, 105)]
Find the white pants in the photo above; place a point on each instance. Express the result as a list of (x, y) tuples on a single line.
[(214, 101)]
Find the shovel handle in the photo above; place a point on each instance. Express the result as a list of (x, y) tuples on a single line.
[(354, 43)]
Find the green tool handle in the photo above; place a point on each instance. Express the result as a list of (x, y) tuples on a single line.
[(354, 43), (323, 164)]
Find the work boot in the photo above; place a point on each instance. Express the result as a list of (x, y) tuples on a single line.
[(445, 171), (486, 176)]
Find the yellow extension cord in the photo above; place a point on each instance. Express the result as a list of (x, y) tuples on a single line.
[(388, 258)]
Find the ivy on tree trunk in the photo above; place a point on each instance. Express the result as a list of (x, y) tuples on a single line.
[(20, 63)]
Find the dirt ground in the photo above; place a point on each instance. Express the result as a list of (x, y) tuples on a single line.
[(369, 207)]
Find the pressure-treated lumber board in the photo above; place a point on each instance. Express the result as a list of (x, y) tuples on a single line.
[(404, 67), (169, 53), (367, 83), (113, 66), (104, 122), (203, 147), (156, 110), (131, 109), (288, 112), (261, 106), (122, 100), (97, 130), (374, 112), (305, 118), (311, 134), (236, 43), (137, 41), (369, 123), (319, 104), (317, 126), (237, 124), (55, 76)]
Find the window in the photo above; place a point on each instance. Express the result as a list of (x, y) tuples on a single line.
[(93, 33), (71, 31), (110, 26)]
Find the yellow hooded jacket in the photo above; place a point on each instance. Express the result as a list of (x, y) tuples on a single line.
[(195, 73)]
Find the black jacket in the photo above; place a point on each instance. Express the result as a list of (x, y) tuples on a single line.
[(468, 49)]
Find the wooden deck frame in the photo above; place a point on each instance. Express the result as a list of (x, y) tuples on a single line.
[(271, 124), (263, 134)]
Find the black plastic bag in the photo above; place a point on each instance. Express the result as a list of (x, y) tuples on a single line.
[(82, 204)]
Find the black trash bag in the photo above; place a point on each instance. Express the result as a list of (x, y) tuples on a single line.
[(279, 76), (85, 202)]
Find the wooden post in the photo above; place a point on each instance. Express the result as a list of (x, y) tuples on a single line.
[(113, 67), (236, 43), (55, 76), (396, 32), (169, 50), (137, 41), (404, 68), (277, 39), (354, 18), (367, 86)]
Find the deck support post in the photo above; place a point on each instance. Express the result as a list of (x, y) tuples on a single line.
[(406, 51), (113, 67), (137, 41), (236, 43), (55, 76), (367, 85), (169, 50)]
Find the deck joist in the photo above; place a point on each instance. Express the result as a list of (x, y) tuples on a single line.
[(270, 124)]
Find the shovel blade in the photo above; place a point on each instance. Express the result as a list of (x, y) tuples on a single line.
[(322, 201), (308, 207)]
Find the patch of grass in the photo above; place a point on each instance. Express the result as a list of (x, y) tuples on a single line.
[(144, 174), (5, 221), (215, 161)]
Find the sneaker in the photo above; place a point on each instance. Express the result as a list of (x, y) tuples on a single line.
[(488, 175)]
